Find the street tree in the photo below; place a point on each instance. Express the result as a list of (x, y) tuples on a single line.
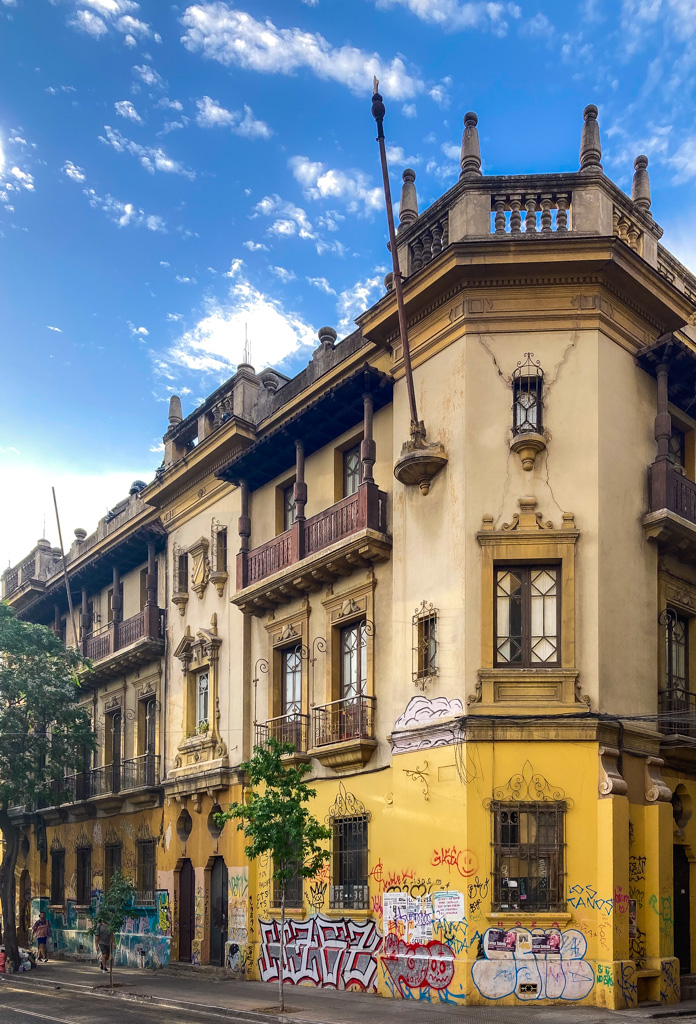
[(44, 736), (276, 821), (113, 909)]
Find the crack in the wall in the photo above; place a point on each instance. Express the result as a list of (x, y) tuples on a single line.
[(506, 488), (548, 484), (505, 377), (559, 365)]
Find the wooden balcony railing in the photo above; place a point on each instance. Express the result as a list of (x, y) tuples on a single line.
[(116, 635), (346, 719), (677, 712), (670, 489), (292, 728), (367, 509)]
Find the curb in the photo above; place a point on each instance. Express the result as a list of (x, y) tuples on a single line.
[(229, 1012)]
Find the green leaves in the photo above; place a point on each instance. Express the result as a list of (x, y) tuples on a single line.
[(275, 819), (115, 903)]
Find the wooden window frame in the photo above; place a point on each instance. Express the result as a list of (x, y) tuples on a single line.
[(145, 897), (354, 450), (57, 890), (109, 849), (525, 570), (84, 854)]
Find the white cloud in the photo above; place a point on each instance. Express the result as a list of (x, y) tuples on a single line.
[(453, 16), (138, 331), (255, 246), (173, 317), (231, 37), (152, 159), (441, 171), (73, 171), (353, 187), (148, 76), (539, 25), (322, 284), (169, 104), (283, 275), (25, 179), (164, 263), (289, 219), (156, 446), (452, 151), (53, 90), (124, 214), (185, 280), (355, 300), (215, 345), (212, 115), (684, 161), (88, 22), (330, 220), (97, 17), (50, 328), (126, 109), (409, 110)]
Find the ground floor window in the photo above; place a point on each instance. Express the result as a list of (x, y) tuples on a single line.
[(83, 876), (112, 862), (349, 854), (293, 889), (528, 848), (145, 872), (57, 877)]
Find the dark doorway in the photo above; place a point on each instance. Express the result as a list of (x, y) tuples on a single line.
[(25, 922), (187, 909), (682, 916), (218, 912)]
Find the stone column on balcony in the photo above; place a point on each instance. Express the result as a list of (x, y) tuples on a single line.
[(300, 495), (116, 608), (151, 612), (244, 530)]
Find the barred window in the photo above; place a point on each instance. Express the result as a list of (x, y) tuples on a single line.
[(145, 871), (112, 862), (221, 549), (528, 847), (57, 877), (181, 575), (353, 660), (202, 700), (677, 661), (291, 681), (293, 889), (425, 642), (527, 615), (83, 876), (350, 877)]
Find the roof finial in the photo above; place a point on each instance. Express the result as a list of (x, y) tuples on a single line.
[(175, 416), (408, 207), (471, 151), (590, 146), (640, 192)]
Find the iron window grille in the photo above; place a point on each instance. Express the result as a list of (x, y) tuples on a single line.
[(527, 615), (181, 573), (145, 872), (291, 681), (112, 862), (57, 877), (83, 876), (289, 507), (218, 552), (528, 856), (293, 890), (349, 890), (677, 650), (527, 401), (202, 700), (425, 644), (352, 471), (354, 660)]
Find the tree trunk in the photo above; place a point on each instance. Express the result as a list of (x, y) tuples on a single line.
[(282, 947), (111, 961), (10, 835)]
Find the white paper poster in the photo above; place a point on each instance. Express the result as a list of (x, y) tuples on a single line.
[(448, 906)]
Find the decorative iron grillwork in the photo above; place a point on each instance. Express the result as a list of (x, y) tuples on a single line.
[(292, 728), (677, 649), (527, 403), (425, 644), (145, 871), (83, 875), (349, 890), (293, 890), (528, 856)]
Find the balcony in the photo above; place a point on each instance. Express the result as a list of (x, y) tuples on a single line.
[(134, 779), (671, 519), (677, 712), (347, 535), (127, 644), (344, 732), (292, 728)]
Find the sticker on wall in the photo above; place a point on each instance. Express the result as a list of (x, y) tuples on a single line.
[(448, 906)]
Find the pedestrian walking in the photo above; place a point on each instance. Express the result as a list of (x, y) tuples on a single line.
[(41, 931), (102, 936)]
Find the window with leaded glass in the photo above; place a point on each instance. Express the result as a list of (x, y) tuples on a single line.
[(353, 660), (202, 700), (677, 447), (528, 847), (112, 862), (527, 388), (83, 875), (291, 681), (349, 890), (527, 615), (289, 507), (145, 871), (677, 660), (57, 877), (352, 471)]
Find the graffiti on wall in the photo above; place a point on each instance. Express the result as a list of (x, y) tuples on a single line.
[(586, 896), (427, 967), (330, 953), (533, 964)]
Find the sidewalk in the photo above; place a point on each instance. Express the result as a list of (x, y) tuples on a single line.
[(256, 1001)]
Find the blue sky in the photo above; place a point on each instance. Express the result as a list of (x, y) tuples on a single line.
[(172, 172)]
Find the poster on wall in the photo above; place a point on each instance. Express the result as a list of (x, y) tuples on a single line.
[(448, 906), (409, 918), (502, 941)]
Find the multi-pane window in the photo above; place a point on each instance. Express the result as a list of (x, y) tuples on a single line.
[(424, 643), (289, 507), (181, 574), (350, 872), (527, 615), (112, 862), (221, 549), (352, 471), (83, 875), (202, 701), (57, 877), (291, 681), (677, 653), (527, 389), (677, 447), (353, 661), (145, 871), (528, 856), (293, 889)]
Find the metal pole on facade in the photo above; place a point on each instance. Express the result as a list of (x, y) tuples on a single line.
[(65, 571)]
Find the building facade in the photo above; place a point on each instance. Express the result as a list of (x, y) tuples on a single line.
[(477, 633)]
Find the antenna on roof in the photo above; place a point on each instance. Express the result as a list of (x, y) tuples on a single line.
[(247, 345)]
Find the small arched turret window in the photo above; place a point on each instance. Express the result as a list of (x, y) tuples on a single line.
[(527, 402)]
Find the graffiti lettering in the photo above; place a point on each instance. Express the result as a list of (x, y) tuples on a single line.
[(620, 900), (336, 953), (637, 948), (627, 984), (477, 890), (605, 975), (636, 868), (670, 991), (586, 896), (663, 909), (464, 861), (537, 964), (636, 894), (418, 966)]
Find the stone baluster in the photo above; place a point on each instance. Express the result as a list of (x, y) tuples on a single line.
[(408, 207), (590, 145), (633, 236), (416, 255), (561, 213), (546, 200), (623, 228), (445, 231), (175, 416), (437, 239), (500, 204), (427, 247), (530, 224), (471, 150), (515, 215), (640, 191)]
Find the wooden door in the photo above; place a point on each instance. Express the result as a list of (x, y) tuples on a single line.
[(218, 912), (187, 909), (682, 915)]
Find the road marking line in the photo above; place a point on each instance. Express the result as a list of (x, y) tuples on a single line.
[(43, 1016)]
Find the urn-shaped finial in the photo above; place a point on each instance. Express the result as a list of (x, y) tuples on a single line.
[(471, 151), (175, 416), (640, 192), (590, 146), (408, 207)]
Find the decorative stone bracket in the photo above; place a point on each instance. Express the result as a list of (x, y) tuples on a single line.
[(200, 570), (611, 781), (656, 789)]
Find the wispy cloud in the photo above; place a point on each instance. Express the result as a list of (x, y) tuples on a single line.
[(73, 171), (453, 16), (148, 76), (288, 219), (97, 18), (152, 158), (126, 109), (255, 246), (283, 274), (124, 214), (322, 284), (352, 187), (355, 300), (212, 115), (49, 327)]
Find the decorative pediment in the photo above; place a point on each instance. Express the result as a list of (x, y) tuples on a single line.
[(349, 607), (528, 520), (529, 785), (199, 648), (200, 565)]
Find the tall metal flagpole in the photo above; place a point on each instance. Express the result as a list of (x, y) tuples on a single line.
[(65, 570)]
